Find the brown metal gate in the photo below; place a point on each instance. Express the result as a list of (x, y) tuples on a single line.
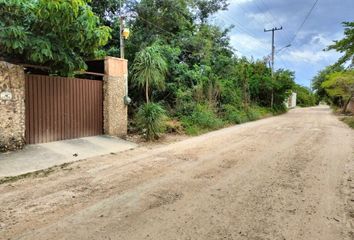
[(60, 108)]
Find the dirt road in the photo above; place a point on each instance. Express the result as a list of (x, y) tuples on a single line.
[(288, 177)]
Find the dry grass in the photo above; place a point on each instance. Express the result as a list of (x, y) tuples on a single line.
[(349, 120)]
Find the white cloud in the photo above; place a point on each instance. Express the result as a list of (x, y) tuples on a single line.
[(249, 46), (266, 19), (310, 56), (312, 51), (237, 2)]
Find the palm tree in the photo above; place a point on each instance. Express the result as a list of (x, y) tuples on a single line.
[(149, 69)]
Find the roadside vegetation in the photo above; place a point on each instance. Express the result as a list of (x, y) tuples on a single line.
[(183, 68), (335, 83), (349, 120), (305, 97)]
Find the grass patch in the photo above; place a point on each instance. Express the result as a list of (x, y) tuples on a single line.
[(233, 115), (35, 174), (204, 118), (201, 120), (349, 121)]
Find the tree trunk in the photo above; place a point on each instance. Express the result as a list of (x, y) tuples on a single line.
[(347, 103), (147, 91)]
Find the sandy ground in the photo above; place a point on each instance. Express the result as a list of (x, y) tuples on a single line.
[(287, 177)]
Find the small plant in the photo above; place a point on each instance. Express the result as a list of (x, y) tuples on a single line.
[(252, 115), (202, 119), (279, 109), (150, 120), (233, 115)]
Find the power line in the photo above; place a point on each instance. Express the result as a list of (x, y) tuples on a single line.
[(240, 27), (271, 19), (303, 22), (152, 24), (250, 10), (172, 34), (270, 13), (276, 20)]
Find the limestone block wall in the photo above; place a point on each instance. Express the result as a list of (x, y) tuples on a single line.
[(12, 107), (115, 88)]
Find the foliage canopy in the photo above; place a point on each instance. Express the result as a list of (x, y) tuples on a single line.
[(340, 84), (149, 69), (57, 33), (188, 65), (345, 45)]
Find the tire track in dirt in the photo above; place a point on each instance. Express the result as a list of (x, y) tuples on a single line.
[(278, 178)]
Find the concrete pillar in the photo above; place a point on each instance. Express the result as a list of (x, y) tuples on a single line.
[(12, 107), (115, 88)]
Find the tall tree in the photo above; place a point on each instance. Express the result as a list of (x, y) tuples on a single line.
[(149, 69), (60, 34), (305, 98), (346, 45), (205, 8), (283, 84), (320, 77), (107, 10), (340, 84)]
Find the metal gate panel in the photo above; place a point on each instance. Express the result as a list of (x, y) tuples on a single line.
[(60, 108)]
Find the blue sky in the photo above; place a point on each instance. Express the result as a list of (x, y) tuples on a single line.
[(306, 56)]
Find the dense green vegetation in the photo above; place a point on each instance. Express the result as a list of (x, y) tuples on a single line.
[(305, 97), (335, 83), (179, 61), (151, 119), (205, 86), (60, 34), (345, 45)]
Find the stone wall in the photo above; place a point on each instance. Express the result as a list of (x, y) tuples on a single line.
[(12, 107), (115, 88)]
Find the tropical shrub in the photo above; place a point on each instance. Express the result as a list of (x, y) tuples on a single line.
[(252, 114), (256, 112), (150, 120), (149, 69), (202, 119), (305, 98), (340, 85), (279, 109), (233, 115)]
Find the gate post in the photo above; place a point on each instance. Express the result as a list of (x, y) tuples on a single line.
[(12, 107), (115, 112)]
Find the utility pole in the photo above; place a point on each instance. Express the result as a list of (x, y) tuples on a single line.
[(122, 18), (273, 55), (121, 29)]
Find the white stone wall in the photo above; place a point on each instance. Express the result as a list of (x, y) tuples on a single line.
[(290, 102)]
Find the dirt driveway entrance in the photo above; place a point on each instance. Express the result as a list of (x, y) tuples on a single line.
[(288, 177)]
